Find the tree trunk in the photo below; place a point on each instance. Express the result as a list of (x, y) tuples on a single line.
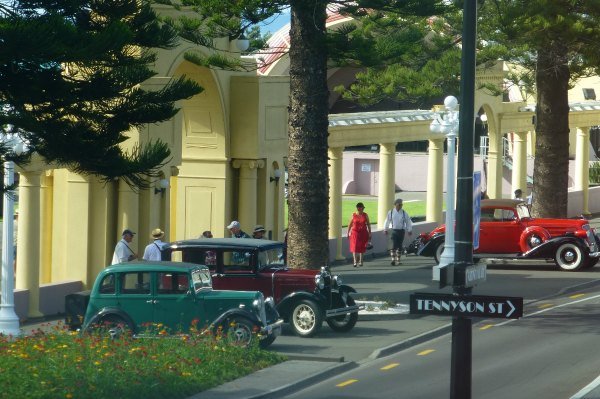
[(308, 123), (551, 165)]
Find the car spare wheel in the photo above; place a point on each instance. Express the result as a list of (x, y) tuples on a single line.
[(569, 256), (306, 318), (532, 237)]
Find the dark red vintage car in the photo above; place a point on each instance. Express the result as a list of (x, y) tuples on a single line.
[(303, 298), (507, 230)]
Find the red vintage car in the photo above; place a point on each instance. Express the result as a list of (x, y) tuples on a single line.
[(304, 298), (507, 230)]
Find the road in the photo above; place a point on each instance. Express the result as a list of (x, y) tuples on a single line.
[(379, 280), (552, 352)]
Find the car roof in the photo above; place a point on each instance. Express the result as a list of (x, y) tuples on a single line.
[(488, 203), (226, 243), (145, 265)]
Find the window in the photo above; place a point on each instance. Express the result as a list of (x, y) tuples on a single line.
[(107, 285), (504, 215), (135, 283), (173, 283), (237, 261), (272, 257), (589, 94)]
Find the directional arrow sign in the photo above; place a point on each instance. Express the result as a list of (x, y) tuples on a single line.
[(466, 305)]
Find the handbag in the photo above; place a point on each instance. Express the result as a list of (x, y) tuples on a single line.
[(369, 245)]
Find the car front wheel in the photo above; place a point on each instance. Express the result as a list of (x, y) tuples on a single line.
[(112, 325), (306, 318), (345, 322), (570, 257), (437, 254), (239, 331)]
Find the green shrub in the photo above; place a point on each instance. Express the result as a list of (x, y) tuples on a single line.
[(595, 172)]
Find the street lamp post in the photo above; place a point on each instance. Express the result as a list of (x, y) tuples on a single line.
[(9, 321), (448, 125)]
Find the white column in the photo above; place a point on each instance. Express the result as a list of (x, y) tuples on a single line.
[(336, 156), (9, 321), (387, 181), (247, 199), (582, 166), (519, 172), (435, 183)]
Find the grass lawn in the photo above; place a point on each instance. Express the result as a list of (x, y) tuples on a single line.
[(416, 209)]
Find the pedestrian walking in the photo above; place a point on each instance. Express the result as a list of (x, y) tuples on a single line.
[(153, 250), (123, 252), (399, 223), (359, 234)]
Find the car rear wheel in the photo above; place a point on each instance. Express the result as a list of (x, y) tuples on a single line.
[(239, 331), (112, 325), (570, 257), (345, 322), (437, 254), (306, 318)]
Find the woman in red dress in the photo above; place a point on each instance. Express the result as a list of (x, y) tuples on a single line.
[(359, 234)]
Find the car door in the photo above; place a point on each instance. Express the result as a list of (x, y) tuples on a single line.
[(135, 296), (236, 270), (500, 230), (174, 301)]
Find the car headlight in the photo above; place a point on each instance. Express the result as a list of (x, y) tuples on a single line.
[(259, 305), (336, 281), (319, 281)]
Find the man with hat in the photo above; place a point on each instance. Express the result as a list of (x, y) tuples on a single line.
[(259, 232), (124, 253), (399, 222), (236, 231), (153, 250)]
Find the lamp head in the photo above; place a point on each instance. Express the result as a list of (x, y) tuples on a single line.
[(450, 103), (277, 176)]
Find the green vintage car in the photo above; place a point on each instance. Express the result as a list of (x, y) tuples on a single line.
[(132, 296)]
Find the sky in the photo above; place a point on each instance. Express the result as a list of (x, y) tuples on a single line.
[(274, 24)]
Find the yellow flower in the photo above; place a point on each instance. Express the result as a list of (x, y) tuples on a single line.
[(69, 395), (97, 363)]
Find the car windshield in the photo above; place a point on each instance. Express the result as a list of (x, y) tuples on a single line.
[(272, 257), (523, 211), (201, 279)]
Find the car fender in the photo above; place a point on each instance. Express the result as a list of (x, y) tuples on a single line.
[(548, 248), (284, 307), (107, 312), (345, 289), (429, 248), (231, 313), (530, 231)]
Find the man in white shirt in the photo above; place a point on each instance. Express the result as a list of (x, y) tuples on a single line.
[(153, 250), (123, 253), (399, 222)]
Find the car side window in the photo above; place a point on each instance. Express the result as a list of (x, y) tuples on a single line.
[(135, 283), (173, 283), (237, 261), (200, 256), (107, 285), (504, 215), (487, 215)]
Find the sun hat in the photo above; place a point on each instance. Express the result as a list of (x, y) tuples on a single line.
[(233, 224), (157, 234), (258, 228)]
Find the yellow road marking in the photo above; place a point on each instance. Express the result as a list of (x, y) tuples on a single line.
[(390, 366), (576, 296), (343, 384), (486, 327), (425, 352), (545, 305)]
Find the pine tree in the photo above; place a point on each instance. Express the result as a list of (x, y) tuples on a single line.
[(70, 76), (553, 43), (308, 115)]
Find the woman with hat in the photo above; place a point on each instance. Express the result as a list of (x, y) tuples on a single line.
[(359, 234), (259, 232), (153, 250)]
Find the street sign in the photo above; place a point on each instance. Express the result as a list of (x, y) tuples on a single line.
[(466, 305), (476, 208), (470, 275)]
